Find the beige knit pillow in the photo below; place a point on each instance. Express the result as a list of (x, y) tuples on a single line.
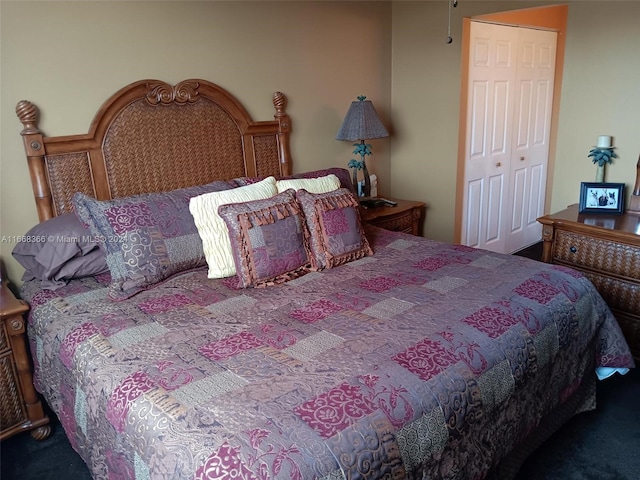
[(212, 229), (325, 184)]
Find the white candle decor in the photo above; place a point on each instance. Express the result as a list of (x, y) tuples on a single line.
[(602, 154), (604, 141)]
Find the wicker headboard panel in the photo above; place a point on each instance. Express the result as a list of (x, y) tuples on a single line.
[(150, 137)]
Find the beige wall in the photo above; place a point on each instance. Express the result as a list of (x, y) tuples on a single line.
[(600, 96), (68, 57), (322, 55)]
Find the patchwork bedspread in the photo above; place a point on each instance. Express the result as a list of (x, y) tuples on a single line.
[(425, 359)]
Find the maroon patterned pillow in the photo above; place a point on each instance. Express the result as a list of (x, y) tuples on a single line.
[(335, 229), (269, 239)]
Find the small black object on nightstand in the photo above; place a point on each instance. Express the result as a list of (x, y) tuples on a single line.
[(377, 202)]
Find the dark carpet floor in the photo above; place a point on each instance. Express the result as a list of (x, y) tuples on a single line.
[(600, 445)]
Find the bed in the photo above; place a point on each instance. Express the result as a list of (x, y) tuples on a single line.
[(365, 354)]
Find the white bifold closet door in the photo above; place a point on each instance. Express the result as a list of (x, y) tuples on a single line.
[(511, 75)]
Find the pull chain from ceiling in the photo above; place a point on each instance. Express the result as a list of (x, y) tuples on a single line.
[(453, 3)]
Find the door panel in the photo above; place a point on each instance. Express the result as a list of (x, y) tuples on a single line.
[(479, 98), (518, 210), (536, 189), (500, 127), (524, 114), (475, 195), (544, 98), (495, 199)]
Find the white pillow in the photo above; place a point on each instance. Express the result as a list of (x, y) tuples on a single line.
[(212, 229), (311, 185)]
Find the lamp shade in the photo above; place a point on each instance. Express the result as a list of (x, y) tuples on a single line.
[(362, 122)]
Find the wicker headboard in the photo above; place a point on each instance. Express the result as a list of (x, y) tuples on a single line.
[(150, 137)]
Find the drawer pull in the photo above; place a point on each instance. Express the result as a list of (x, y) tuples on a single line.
[(573, 249)]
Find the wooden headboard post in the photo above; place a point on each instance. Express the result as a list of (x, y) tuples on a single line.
[(151, 136), (34, 148), (280, 104)]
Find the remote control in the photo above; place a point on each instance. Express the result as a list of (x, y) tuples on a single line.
[(391, 203)]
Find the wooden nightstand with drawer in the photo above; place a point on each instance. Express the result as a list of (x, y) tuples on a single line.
[(20, 406), (606, 249), (406, 216)]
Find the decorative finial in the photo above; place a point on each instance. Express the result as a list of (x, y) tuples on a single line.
[(361, 98), (28, 114), (279, 102)]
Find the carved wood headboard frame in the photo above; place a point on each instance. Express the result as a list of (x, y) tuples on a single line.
[(150, 137)]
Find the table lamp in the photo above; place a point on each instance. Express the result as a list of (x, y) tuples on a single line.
[(362, 123)]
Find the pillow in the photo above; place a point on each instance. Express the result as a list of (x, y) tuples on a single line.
[(324, 184), (58, 250), (335, 229), (212, 229), (342, 173), (268, 239), (89, 265), (147, 238)]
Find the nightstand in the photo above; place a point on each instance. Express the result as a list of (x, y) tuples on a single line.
[(606, 249), (404, 217), (20, 406)]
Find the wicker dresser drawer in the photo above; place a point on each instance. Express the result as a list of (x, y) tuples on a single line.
[(602, 255), (622, 297), (619, 295), (606, 248)]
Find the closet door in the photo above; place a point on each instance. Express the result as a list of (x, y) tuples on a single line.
[(531, 126), (488, 145), (508, 125)]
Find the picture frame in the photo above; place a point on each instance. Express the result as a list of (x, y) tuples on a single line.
[(600, 197)]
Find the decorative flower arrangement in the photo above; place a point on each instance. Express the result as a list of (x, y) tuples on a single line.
[(356, 165), (601, 155), (361, 149)]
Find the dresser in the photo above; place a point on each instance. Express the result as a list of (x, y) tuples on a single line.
[(20, 406), (406, 216), (606, 248)]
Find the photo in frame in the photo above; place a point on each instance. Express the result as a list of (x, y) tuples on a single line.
[(598, 197)]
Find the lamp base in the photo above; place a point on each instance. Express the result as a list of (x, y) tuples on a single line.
[(367, 180), (634, 205)]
